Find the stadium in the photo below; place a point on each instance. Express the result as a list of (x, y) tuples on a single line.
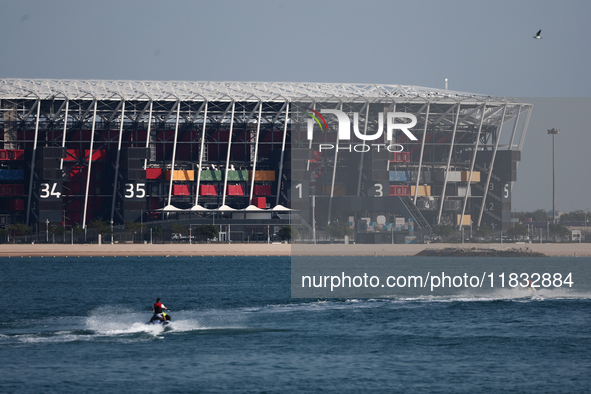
[(250, 157)]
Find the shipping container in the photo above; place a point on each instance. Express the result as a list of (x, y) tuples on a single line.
[(12, 175), (452, 205), (475, 176), (399, 190), (12, 190), (211, 175), (262, 175), (154, 173), (453, 176), (241, 175), (181, 175), (401, 157), (12, 154), (467, 220), (262, 190), (424, 190), (235, 190), (462, 189), (181, 190), (259, 202), (208, 190), (425, 176), (399, 176), (17, 205)]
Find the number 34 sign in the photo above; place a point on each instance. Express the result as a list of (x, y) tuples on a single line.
[(51, 190)]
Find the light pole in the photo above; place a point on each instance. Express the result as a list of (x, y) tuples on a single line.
[(553, 132)]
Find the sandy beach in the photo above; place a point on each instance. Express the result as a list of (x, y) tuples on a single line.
[(173, 250)]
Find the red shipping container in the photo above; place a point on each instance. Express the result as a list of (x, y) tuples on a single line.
[(181, 190), (259, 202), (12, 154), (17, 205), (12, 190), (400, 157), (154, 173), (208, 190), (262, 190), (399, 190), (235, 190)]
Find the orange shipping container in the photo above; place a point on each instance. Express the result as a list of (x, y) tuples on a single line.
[(424, 190), (467, 220), (475, 176), (181, 175), (263, 175)]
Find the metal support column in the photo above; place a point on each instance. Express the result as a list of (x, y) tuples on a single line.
[(363, 151), (421, 155), (38, 104), (201, 153), (514, 128), (176, 133), (116, 180), (490, 167), (334, 172), (472, 165), (282, 153), (256, 151), (451, 149), (228, 155), (148, 132), (89, 166), (64, 134)]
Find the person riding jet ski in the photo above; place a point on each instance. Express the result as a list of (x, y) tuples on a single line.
[(159, 315)]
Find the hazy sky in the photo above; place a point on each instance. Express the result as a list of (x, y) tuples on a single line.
[(481, 47)]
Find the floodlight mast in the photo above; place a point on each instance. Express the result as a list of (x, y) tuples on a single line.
[(553, 132)]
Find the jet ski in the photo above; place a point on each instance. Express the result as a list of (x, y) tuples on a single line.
[(160, 318)]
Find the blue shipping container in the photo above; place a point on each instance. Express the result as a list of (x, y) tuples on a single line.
[(399, 176), (12, 175)]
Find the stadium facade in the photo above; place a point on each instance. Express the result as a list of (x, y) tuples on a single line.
[(259, 154)]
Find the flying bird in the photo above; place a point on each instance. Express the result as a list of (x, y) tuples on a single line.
[(538, 35)]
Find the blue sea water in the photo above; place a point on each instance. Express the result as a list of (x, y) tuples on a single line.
[(74, 325)]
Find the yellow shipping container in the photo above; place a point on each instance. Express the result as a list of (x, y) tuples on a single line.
[(467, 220), (475, 176), (181, 175), (262, 176), (424, 190)]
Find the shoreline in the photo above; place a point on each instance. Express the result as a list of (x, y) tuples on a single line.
[(230, 250)]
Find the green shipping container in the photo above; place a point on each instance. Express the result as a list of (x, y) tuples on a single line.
[(211, 175), (240, 176)]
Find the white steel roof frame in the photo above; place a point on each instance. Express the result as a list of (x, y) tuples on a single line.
[(225, 91)]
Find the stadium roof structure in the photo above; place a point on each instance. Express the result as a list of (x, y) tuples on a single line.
[(51, 89)]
